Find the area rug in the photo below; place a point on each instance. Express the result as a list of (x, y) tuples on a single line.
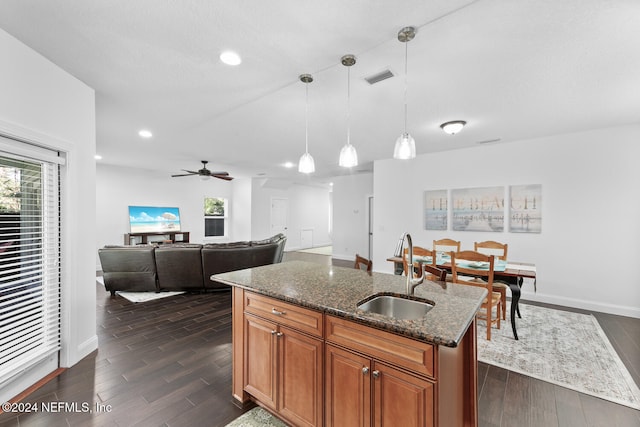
[(142, 296), (257, 417), (564, 348)]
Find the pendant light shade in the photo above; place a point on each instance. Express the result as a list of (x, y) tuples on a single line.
[(405, 147), (306, 163), (348, 154)]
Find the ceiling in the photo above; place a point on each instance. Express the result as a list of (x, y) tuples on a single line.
[(514, 70)]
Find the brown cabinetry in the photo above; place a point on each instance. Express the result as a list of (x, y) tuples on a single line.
[(363, 389), (283, 366), (312, 368)]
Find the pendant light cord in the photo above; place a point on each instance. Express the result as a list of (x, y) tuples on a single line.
[(348, 105), (306, 118), (406, 49)]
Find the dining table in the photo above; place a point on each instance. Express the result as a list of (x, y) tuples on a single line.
[(509, 272)]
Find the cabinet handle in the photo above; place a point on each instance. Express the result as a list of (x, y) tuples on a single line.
[(274, 332), (279, 334), (365, 370), (278, 313), (376, 374)]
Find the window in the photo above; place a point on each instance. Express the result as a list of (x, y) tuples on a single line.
[(29, 262), (215, 217)]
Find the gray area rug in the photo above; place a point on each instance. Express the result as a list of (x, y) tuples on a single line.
[(257, 417), (563, 348), (142, 296)]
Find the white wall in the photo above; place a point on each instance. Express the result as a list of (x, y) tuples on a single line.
[(587, 254), (350, 215), (309, 209), (119, 187), (43, 104)]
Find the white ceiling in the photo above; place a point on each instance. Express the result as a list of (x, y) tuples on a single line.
[(513, 70)]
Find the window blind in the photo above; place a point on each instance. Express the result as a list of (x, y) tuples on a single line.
[(29, 262)]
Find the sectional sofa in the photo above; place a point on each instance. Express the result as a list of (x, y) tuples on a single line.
[(184, 266)]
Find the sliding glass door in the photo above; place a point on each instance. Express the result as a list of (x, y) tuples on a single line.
[(29, 262)]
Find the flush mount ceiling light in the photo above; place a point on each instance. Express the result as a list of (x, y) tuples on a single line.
[(230, 58), (348, 154), (145, 134), (306, 163), (405, 147), (453, 126)]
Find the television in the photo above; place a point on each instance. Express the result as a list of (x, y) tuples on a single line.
[(154, 219)]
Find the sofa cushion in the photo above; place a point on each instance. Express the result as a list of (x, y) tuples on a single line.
[(179, 266), (129, 268)]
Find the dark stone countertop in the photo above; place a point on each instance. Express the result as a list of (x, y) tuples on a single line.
[(338, 291)]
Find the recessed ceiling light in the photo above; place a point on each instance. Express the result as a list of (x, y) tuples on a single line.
[(145, 133), (230, 58), (289, 165), (97, 157), (453, 127)]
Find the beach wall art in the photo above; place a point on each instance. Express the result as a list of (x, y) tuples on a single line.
[(478, 209), (525, 208), (436, 210)]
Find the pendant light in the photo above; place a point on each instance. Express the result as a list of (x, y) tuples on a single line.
[(306, 163), (405, 147), (348, 155)]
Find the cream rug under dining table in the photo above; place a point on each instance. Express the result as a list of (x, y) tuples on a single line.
[(564, 348)]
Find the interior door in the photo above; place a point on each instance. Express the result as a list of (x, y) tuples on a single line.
[(279, 215)]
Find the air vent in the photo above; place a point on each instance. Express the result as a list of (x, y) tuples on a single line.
[(488, 141), (383, 75)]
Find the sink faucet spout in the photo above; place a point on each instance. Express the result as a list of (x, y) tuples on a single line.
[(412, 281)]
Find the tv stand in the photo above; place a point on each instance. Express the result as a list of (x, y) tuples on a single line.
[(143, 238)]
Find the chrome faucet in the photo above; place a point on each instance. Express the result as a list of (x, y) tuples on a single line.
[(411, 281)]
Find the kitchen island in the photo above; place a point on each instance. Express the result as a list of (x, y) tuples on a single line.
[(304, 350)]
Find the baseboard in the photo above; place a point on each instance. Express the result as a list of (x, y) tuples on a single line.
[(618, 310), (68, 359), (298, 248)]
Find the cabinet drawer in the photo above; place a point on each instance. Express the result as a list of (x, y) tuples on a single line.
[(300, 318), (410, 354)]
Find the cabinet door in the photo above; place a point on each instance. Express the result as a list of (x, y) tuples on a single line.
[(300, 366), (347, 389), (260, 358), (400, 399)]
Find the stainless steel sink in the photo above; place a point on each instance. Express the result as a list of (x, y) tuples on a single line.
[(396, 306)]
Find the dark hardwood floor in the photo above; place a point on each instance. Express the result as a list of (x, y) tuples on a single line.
[(168, 363)]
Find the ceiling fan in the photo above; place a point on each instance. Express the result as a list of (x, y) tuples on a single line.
[(206, 173)]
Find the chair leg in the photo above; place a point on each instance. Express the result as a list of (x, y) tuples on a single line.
[(489, 316)]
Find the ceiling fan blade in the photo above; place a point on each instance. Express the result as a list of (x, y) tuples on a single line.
[(191, 172), (220, 173), (225, 177), (184, 174)]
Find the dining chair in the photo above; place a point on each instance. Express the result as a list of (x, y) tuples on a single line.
[(417, 251), (363, 263), (461, 262), (491, 247), (499, 250), (446, 245), (434, 273)]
